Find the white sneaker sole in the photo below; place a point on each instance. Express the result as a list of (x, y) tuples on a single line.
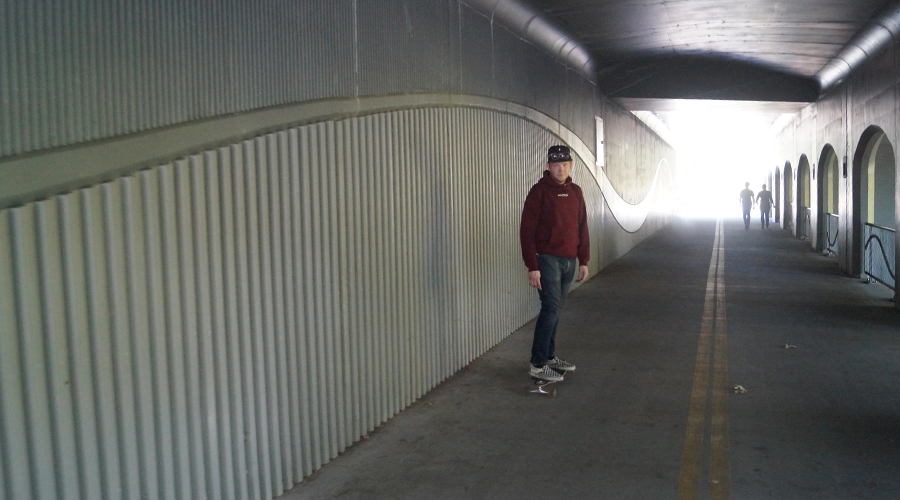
[(538, 376)]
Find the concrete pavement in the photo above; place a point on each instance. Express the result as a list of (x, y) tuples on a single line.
[(819, 420)]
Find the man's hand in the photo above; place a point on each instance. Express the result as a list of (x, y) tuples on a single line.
[(582, 273), (534, 279)]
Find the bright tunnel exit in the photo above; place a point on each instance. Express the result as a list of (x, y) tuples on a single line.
[(718, 153), (720, 146)]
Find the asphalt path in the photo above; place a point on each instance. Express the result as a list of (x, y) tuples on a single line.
[(817, 352)]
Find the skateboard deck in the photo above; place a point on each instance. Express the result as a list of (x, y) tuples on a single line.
[(541, 387), (542, 384)]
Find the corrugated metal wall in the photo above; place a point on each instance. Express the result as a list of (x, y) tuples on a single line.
[(221, 326), (79, 71), (76, 71)]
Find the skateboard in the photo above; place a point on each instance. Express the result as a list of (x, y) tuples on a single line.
[(542, 384)]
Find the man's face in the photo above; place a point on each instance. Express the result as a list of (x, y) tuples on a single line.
[(560, 170)]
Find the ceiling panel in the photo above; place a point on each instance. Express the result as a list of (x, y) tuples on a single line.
[(760, 60), (647, 39)]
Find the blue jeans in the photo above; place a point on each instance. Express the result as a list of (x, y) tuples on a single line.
[(557, 274)]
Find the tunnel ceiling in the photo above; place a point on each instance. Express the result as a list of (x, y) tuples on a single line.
[(745, 50)]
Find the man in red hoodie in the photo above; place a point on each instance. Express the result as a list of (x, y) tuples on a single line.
[(553, 234)]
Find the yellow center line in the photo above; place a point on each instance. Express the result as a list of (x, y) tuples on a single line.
[(711, 348), (719, 463)]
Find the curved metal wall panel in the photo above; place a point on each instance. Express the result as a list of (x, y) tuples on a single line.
[(476, 62), (404, 46), (530, 25), (223, 325), (74, 72), (79, 71)]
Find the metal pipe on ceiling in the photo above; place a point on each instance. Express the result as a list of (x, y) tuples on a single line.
[(878, 34), (529, 24)]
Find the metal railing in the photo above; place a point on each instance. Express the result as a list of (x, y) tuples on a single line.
[(805, 223), (879, 254), (832, 222)]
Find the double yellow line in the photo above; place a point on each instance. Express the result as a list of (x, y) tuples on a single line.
[(710, 386)]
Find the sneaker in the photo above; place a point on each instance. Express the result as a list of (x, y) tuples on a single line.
[(561, 365), (544, 373)]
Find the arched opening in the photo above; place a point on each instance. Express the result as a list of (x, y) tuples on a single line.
[(827, 182), (787, 214), (874, 228), (803, 215), (776, 192)]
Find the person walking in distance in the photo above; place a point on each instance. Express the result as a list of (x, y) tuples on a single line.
[(553, 234), (746, 204), (764, 200)]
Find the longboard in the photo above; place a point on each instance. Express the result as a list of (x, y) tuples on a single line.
[(541, 384)]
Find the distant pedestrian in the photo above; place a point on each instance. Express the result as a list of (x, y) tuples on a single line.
[(746, 204), (554, 233), (764, 200)]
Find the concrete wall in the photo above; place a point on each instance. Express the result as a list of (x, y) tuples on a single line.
[(850, 120), (235, 238)]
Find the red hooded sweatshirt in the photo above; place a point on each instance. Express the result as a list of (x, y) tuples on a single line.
[(554, 222)]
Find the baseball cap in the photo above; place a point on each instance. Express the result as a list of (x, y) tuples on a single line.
[(558, 154)]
